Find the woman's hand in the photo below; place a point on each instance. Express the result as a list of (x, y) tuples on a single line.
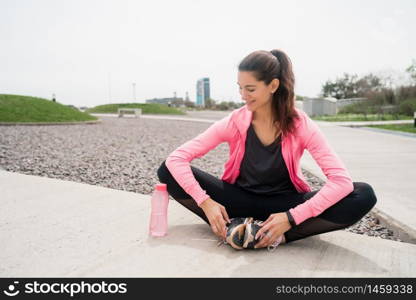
[(272, 228), (217, 216)]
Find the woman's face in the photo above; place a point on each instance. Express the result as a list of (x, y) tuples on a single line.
[(255, 93)]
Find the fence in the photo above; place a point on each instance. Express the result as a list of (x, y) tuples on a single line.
[(326, 106)]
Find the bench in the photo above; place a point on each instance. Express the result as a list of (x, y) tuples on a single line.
[(137, 111)]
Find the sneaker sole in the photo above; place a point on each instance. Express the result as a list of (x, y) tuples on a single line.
[(236, 236), (248, 237)]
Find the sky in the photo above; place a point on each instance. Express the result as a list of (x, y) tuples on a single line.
[(89, 52)]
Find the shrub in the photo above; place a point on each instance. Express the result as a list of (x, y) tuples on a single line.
[(406, 92), (407, 107)]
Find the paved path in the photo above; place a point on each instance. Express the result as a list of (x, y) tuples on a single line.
[(55, 228), (52, 228)]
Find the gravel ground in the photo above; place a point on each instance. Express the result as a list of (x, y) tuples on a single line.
[(122, 154)]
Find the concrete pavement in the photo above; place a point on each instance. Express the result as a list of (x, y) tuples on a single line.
[(55, 228), (52, 228)]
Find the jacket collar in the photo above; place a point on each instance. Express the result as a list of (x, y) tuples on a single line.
[(242, 117)]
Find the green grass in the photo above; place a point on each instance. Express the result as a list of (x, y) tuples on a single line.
[(147, 108), (25, 109), (397, 127), (361, 117)]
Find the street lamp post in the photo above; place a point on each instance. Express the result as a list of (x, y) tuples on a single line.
[(109, 87), (134, 91)]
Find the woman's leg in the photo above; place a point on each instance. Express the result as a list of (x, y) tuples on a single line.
[(342, 214), (240, 203), (237, 202)]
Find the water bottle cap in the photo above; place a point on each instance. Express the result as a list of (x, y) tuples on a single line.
[(161, 187)]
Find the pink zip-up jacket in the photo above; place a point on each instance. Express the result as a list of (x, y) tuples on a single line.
[(233, 130)]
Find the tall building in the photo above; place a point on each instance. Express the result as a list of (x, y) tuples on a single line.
[(202, 91)]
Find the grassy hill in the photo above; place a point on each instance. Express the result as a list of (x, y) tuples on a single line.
[(16, 108), (147, 108)]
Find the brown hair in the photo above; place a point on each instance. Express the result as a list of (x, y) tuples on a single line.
[(266, 66)]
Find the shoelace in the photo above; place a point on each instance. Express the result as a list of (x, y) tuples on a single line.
[(222, 242), (257, 222)]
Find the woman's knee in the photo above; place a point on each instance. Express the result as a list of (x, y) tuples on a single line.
[(364, 195), (353, 207), (163, 173)]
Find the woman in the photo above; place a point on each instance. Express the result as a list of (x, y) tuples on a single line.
[(262, 179)]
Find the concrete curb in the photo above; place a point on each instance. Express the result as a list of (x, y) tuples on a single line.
[(366, 123), (395, 132), (402, 231)]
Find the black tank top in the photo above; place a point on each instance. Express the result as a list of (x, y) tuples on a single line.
[(263, 169)]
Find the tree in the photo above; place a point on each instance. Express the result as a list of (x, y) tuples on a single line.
[(210, 103), (343, 87), (232, 105), (189, 103), (369, 83), (350, 86), (223, 105)]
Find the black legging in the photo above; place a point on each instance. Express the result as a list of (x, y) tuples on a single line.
[(241, 203)]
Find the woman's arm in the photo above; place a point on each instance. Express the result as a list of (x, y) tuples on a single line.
[(339, 183), (178, 162)]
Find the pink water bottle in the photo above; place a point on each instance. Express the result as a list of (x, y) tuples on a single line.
[(158, 225)]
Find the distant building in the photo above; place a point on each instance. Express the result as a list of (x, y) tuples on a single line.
[(202, 91), (319, 106), (326, 106), (167, 101)]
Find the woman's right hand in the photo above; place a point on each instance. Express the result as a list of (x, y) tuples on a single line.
[(217, 216)]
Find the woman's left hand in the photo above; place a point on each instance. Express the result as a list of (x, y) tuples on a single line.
[(272, 228)]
